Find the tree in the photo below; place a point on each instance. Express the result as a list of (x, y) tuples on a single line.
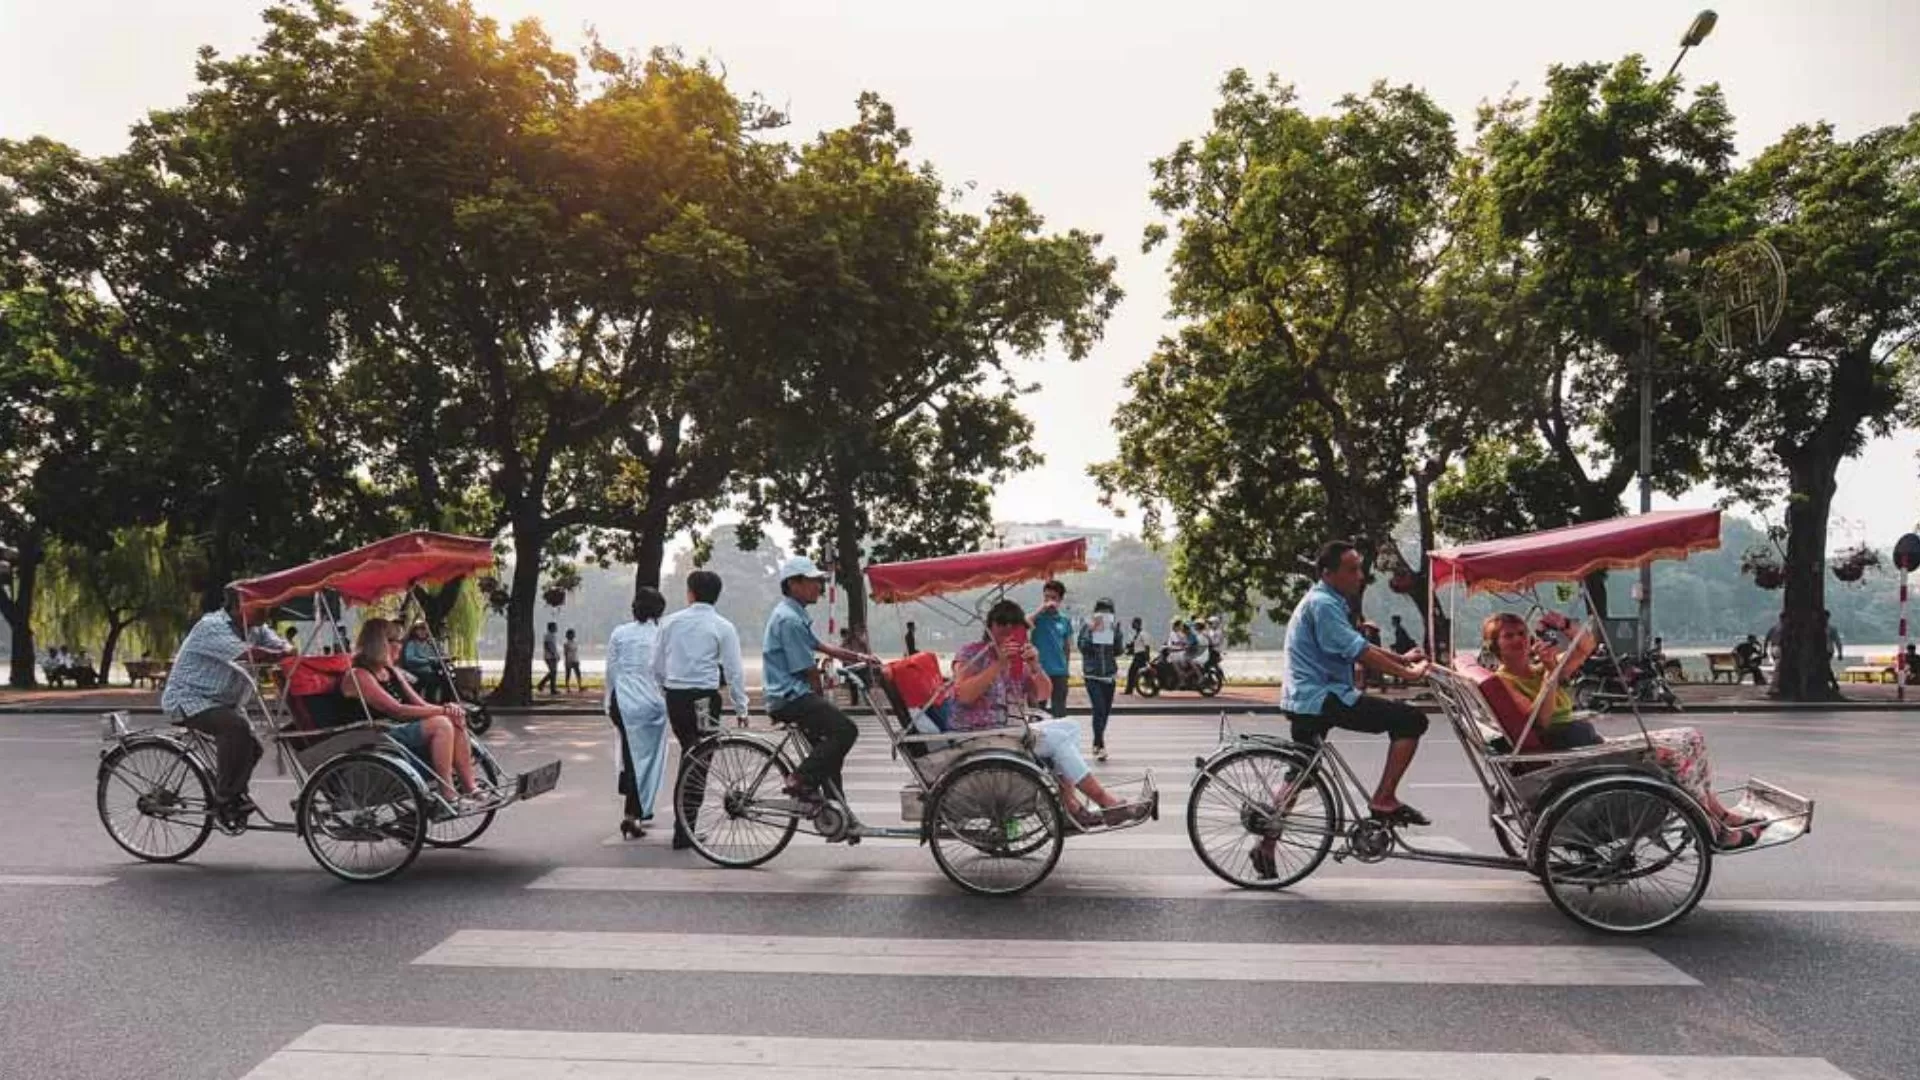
[(140, 575), (1601, 182), (898, 312), (1327, 336), (1845, 219)]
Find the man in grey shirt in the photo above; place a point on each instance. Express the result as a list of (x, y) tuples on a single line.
[(204, 691), (697, 650), (550, 652)]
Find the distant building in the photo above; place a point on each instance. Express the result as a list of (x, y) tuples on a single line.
[(1022, 533)]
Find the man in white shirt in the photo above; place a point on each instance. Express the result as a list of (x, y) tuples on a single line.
[(697, 647)]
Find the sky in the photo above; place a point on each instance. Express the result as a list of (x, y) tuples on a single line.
[(1067, 102)]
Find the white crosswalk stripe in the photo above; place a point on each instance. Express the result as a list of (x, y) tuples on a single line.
[(1470, 965), (52, 880), (331, 1052)]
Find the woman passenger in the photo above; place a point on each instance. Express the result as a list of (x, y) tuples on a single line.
[(991, 676), (435, 734), (1528, 668)]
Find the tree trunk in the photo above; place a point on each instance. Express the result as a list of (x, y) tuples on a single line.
[(114, 628), (17, 607), (650, 548), (1804, 671), (516, 677), (846, 556)]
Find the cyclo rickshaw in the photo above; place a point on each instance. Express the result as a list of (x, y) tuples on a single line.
[(1616, 844), (989, 809), (366, 804)]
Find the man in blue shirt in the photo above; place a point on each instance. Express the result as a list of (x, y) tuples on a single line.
[(786, 654), (1322, 648), (1051, 630)]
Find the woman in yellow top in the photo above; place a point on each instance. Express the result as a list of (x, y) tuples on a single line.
[(1527, 668)]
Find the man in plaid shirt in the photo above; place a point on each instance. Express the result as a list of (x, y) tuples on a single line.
[(204, 690)]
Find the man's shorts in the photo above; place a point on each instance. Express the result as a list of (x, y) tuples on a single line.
[(1370, 715)]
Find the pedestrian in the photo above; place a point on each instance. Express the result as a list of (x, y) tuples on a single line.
[(1402, 641), (638, 709), (1835, 648), (793, 691), (1099, 664), (204, 690), (550, 652), (1747, 656), (1051, 630), (912, 645), (698, 651), (1141, 652), (571, 651)]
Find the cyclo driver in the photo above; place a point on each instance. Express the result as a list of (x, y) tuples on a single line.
[(204, 691)]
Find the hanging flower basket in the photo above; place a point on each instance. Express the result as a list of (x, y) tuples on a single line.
[(1764, 567), (554, 597), (1852, 564), (1401, 582)]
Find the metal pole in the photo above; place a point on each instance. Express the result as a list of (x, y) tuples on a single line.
[(1900, 662), (1645, 294)]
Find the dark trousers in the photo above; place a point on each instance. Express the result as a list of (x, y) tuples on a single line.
[(1057, 698), (830, 733), (235, 750), (628, 786), (551, 682), (1134, 669), (683, 715), (1100, 693)]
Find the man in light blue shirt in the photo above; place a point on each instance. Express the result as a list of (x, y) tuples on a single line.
[(1322, 648), (786, 655), (698, 648), (1051, 630)]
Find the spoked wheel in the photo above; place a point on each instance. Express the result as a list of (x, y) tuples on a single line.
[(1623, 856), (995, 827), (457, 832), (155, 801), (1243, 800), (1211, 683), (734, 824), (363, 817)]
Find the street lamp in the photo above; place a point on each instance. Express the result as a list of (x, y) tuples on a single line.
[(1697, 32)]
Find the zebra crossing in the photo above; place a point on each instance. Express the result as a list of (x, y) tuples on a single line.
[(627, 940)]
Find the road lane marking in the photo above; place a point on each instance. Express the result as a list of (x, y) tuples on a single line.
[(1451, 965), (51, 880), (331, 1051)]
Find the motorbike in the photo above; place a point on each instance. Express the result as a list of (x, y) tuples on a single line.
[(1605, 682), (1164, 674)]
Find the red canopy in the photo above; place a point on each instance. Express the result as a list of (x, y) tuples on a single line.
[(1514, 563), (896, 583), (366, 574)]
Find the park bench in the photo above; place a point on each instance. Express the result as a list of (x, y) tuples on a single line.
[(1876, 669), (152, 672), (1723, 664)]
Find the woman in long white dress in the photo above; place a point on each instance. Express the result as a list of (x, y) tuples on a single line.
[(638, 710)]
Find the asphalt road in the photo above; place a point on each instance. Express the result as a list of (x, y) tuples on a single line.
[(551, 948)]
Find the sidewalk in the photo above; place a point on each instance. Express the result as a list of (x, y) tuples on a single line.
[(1694, 697)]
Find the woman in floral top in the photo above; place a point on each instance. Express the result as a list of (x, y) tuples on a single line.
[(993, 678)]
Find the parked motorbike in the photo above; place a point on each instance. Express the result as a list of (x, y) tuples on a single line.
[(1604, 682), (1164, 674)]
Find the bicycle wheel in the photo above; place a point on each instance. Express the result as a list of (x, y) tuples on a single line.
[(155, 801), (994, 826), (1623, 856), (734, 825), (1234, 810), (363, 817), (460, 831)]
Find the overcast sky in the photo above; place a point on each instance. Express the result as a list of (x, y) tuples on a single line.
[(1068, 102)]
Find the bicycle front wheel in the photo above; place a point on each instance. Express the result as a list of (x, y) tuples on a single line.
[(1254, 826), (739, 783)]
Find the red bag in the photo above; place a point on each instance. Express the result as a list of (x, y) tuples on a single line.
[(917, 678)]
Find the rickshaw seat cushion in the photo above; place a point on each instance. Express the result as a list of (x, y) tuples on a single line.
[(313, 691), (917, 678), (1506, 707)]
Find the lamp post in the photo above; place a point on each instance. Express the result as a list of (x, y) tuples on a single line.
[(1697, 32)]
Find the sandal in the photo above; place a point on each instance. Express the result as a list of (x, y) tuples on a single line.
[(1400, 815), (1124, 814)]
